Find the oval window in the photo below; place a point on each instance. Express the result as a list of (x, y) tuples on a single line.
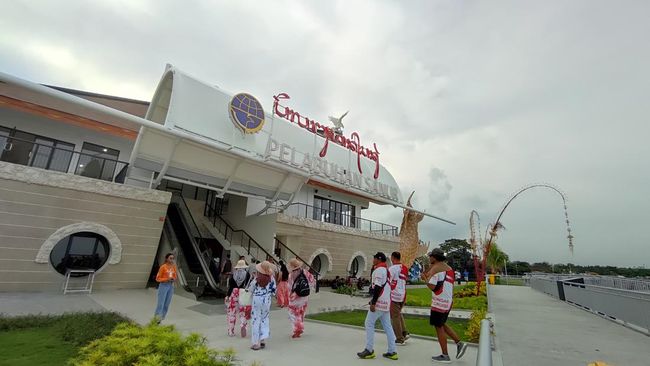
[(83, 250)]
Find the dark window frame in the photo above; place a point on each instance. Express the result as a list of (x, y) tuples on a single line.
[(334, 212)]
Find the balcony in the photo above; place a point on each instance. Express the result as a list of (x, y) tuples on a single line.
[(302, 210), (50, 155)]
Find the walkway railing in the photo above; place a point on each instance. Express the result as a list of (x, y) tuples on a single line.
[(615, 302), (339, 218), (484, 356), (50, 157), (281, 245)]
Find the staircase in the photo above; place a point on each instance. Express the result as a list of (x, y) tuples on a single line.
[(237, 241)]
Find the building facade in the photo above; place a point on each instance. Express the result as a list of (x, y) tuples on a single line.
[(109, 185)]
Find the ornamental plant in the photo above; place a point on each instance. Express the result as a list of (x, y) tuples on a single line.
[(473, 331), (131, 344)]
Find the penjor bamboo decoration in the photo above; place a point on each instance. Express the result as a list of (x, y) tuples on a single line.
[(409, 242)]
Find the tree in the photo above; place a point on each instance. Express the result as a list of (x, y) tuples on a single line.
[(496, 259), (459, 255)]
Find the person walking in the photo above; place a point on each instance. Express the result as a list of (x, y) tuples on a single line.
[(379, 310), (441, 285), (167, 274), (283, 286), (397, 274), (301, 283), (262, 287), (237, 282)]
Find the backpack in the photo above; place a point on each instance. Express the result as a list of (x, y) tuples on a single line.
[(301, 285)]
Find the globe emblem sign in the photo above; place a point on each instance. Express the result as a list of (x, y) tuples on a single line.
[(246, 113)]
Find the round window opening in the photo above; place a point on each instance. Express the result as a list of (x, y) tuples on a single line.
[(83, 250), (316, 264), (354, 268)]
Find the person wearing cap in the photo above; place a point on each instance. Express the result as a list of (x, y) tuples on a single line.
[(298, 304), (237, 282), (379, 310), (262, 287), (441, 285), (398, 273)]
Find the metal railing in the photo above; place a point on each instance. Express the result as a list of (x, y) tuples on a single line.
[(339, 218), (484, 355), (235, 237), (611, 297), (38, 155), (311, 269), (198, 242)]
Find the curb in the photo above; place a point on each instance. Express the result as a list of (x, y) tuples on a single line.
[(417, 336)]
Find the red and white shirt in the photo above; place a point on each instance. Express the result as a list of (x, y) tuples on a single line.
[(442, 299), (398, 273), (380, 281)]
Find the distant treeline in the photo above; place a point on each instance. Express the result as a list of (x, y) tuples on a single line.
[(518, 268)]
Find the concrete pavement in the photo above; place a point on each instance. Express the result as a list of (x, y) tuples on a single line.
[(534, 329), (322, 344)]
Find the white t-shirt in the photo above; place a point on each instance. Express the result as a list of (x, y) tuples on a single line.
[(379, 281), (397, 282), (441, 300)]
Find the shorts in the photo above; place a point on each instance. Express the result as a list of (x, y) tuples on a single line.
[(438, 319)]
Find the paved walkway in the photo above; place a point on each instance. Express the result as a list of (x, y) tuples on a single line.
[(535, 329), (322, 344)]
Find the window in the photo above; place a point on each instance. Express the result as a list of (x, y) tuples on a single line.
[(20, 147), (97, 161), (83, 250), (334, 212), (354, 268), (316, 264)]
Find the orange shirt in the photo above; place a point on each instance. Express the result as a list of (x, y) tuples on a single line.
[(166, 272)]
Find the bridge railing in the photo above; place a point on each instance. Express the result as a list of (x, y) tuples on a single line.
[(609, 297), (484, 356)]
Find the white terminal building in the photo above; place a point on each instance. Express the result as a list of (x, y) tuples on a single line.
[(101, 187)]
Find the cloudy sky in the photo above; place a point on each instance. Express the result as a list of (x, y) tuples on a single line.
[(468, 101)]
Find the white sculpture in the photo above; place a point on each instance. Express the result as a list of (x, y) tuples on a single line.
[(338, 125)]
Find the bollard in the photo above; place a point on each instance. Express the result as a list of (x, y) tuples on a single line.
[(484, 356)]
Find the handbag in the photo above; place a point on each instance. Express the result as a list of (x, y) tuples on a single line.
[(245, 296)]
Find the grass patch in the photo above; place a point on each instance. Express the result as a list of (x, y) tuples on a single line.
[(34, 346), (421, 297), (415, 324), (509, 281), (51, 340)]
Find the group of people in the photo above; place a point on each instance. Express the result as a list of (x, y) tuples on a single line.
[(388, 290), (251, 290), (291, 285)]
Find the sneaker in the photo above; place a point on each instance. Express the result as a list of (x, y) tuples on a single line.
[(256, 347), (442, 359), (366, 355), (461, 347), (390, 356), (402, 343), (407, 336)]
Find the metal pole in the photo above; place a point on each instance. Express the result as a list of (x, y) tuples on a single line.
[(484, 356), (505, 268)]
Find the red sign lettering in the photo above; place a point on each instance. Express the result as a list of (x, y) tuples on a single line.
[(353, 143)]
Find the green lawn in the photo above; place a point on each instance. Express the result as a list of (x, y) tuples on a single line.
[(415, 324), (421, 297), (34, 346), (510, 281), (51, 340)]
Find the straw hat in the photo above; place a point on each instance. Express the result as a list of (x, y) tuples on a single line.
[(294, 263), (266, 268), (241, 264)]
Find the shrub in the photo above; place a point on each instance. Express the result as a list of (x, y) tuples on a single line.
[(345, 290), (469, 290), (131, 344), (473, 331)]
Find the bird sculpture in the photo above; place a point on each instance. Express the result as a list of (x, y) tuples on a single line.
[(338, 124)]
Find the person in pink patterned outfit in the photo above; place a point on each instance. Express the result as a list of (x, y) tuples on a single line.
[(299, 279), (238, 281), (283, 285)]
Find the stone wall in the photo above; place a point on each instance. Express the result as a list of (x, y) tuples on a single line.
[(339, 244), (39, 207)]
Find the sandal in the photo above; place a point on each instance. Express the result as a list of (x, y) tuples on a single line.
[(256, 347)]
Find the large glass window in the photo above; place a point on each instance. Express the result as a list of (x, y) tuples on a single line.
[(97, 161), (20, 147), (334, 212), (83, 250)]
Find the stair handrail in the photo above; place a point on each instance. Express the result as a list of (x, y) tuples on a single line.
[(205, 266), (211, 213), (312, 270)]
